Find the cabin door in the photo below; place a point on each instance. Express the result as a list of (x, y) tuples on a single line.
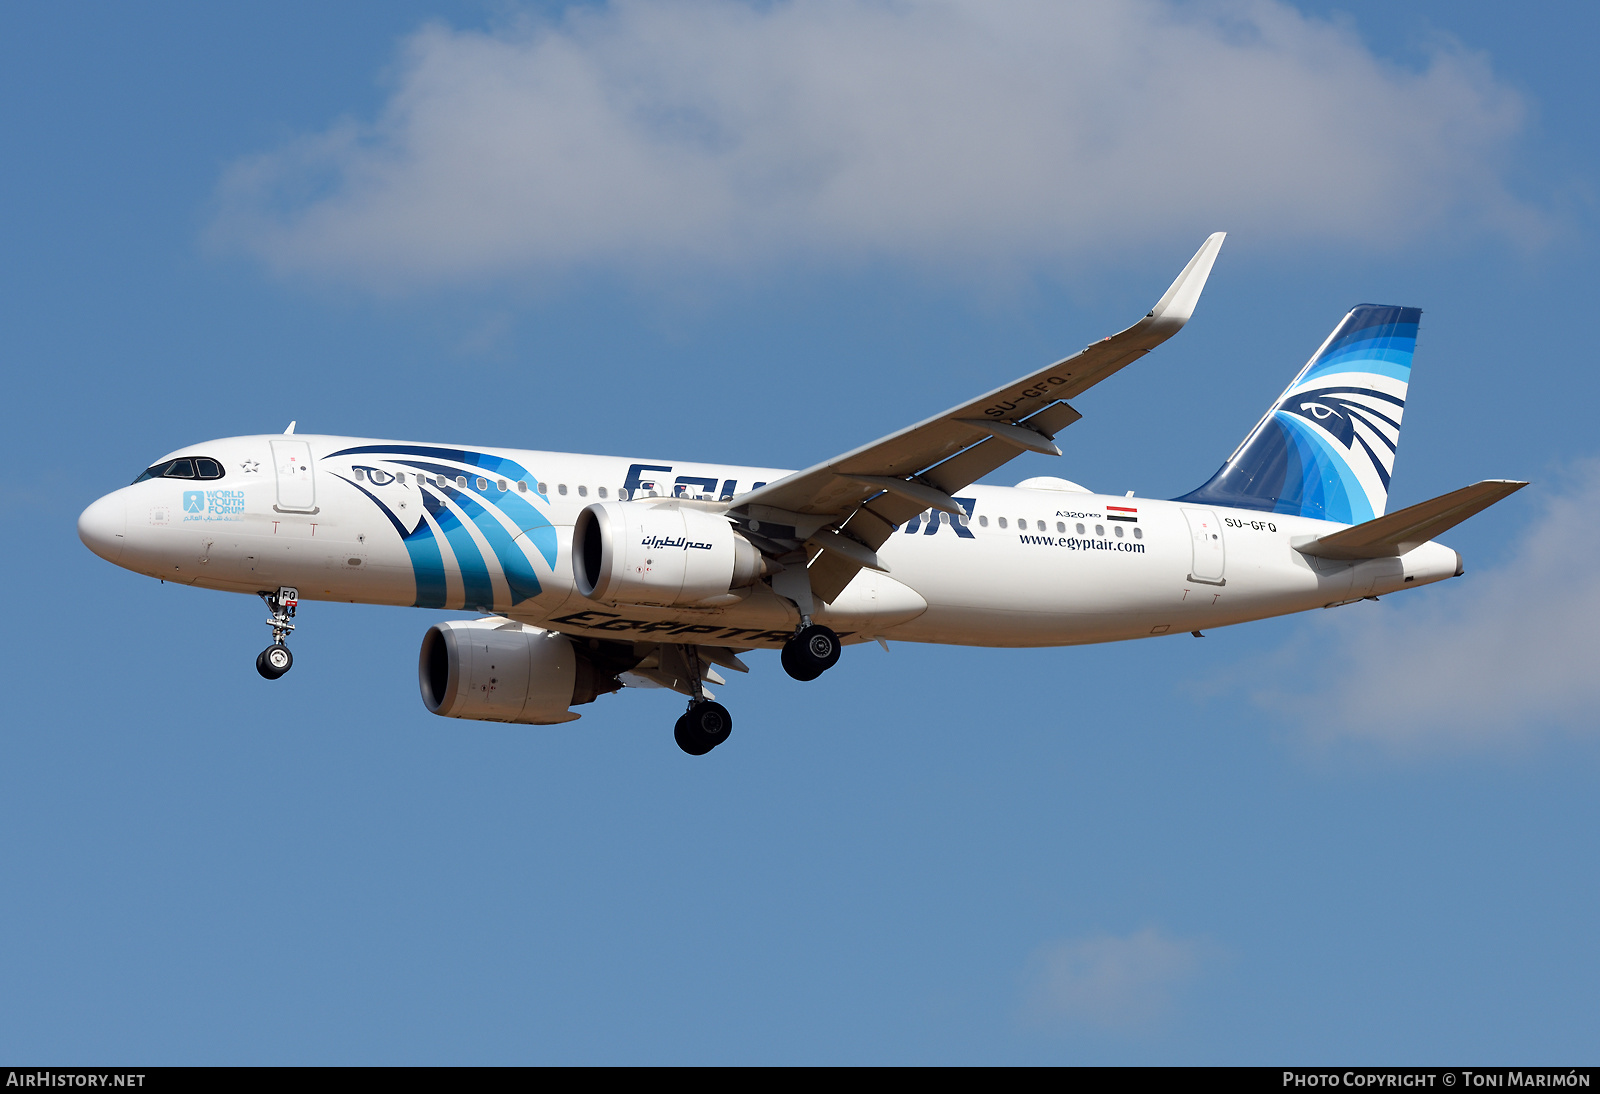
[(297, 487), (1210, 551)]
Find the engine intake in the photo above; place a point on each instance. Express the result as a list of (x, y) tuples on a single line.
[(664, 554), (496, 670)]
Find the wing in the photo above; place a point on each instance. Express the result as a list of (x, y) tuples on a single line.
[(838, 513)]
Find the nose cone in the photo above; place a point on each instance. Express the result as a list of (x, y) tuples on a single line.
[(103, 527)]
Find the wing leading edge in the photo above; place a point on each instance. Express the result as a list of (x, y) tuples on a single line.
[(836, 514)]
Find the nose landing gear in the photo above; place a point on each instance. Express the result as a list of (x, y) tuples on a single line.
[(276, 659)]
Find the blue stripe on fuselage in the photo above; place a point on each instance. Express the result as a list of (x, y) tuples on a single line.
[(520, 578), (478, 588), (427, 562), (532, 523)]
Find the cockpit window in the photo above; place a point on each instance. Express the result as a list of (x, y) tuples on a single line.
[(196, 467)]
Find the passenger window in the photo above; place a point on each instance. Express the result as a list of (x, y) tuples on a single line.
[(562, 489), (983, 522), (522, 487), (1118, 531), (1080, 529), (601, 491), (544, 488), (461, 482), (1099, 529), (483, 483), (1040, 523), (944, 519), (622, 495), (963, 519), (1138, 533), (438, 480), (1002, 522), (583, 491), (361, 475), (1060, 527)]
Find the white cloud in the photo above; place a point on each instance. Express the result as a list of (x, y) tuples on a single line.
[(941, 131), (1509, 653), (1117, 983)]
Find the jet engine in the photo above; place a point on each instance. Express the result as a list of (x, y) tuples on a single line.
[(497, 670), (665, 554)]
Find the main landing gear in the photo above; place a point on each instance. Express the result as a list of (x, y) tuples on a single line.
[(276, 659), (705, 725), (812, 651)]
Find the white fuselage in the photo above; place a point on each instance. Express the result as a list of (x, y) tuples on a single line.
[(346, 519)]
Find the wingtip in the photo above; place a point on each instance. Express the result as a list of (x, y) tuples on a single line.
[(1179, 301)]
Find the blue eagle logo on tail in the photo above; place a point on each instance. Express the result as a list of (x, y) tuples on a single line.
[(1337, 411), (1326, 448)]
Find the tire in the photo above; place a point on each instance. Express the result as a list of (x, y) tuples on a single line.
[(811, 652), (704, 727), (274, 661), (691, 742), (796, 664)]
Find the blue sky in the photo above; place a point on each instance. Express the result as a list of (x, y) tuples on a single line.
[(767, 234)]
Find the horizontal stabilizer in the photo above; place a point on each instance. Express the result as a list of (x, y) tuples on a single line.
[(1412, 526)]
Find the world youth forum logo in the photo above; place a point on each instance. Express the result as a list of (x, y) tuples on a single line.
[(194, 501)]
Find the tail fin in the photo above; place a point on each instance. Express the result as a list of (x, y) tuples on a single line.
[(1326, 448)]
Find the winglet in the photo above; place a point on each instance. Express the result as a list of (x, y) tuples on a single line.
[(1179, 300)]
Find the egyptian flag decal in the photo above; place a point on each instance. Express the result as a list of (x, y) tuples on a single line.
[(1122, 512)]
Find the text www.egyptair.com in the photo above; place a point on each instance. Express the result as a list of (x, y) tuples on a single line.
[(1076, 544)]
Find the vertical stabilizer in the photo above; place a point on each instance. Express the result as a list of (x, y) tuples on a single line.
[(1326, 448)]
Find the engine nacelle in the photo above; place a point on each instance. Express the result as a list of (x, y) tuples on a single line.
[(660, 553), (499, 671)]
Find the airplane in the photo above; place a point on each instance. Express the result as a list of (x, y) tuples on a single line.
[(595, 573)]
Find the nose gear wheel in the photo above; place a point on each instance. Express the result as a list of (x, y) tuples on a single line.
[(274, 661)]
